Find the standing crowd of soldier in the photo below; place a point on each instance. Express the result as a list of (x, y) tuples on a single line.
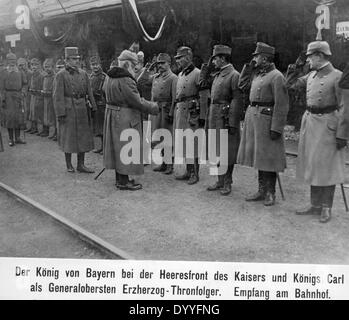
[(210, 98)]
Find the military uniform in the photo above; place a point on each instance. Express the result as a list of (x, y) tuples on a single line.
[(124, 110), (187, 115), (262, 142), (71, 90), (320, 163), (225, 113), (11, 91), (164, 93), (97, 80), (36, 108), (49, 112)]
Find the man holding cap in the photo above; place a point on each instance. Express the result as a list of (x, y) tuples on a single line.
[(71, 89), (12, 86), (262, 142), (164, 84), (324, 130), (124, 107), (187, 110), (225, 113)]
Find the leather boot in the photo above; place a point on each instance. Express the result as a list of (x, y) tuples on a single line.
[(81, 164), (34, 129), (54, 133), (169, 169), (29, 129), (11, 142), (315, 200), (269, 199), (18, 140), (160, 168), (219, 185), (45, 131), (261, 193), (186, 175), (194, 176), (226, 189), (70, 167), (325, 215)]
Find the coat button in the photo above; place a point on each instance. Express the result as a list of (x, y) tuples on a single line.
[(322, 83)]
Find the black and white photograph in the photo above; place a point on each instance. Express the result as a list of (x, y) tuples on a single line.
[(176, 131)]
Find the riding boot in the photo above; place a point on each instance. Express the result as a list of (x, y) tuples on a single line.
[(217, 185), (54, 133), (11, 142), (327, 202), (81, 164), (315, 201), (18, 140), (194, 176), (186, 175), (34, 129), (270, 187), (70, 167), (228, 180), (45, 131), (260, 194)]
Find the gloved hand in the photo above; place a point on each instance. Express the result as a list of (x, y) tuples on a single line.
[(61, 119), (252, 64), (201, 123), (301, 60), (155, 110), (232, 130), (341, 143), (274, 135)]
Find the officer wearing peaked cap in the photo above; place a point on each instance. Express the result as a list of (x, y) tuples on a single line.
[(187, 111), (224, 114), (262, 142), (71, 90), (12, 83), (163, 91), (324, 130)]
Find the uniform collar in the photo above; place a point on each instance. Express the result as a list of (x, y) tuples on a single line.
[(325, 69), (163, 75), (264, 70), (188, 69), (72, 70), (225, 70)]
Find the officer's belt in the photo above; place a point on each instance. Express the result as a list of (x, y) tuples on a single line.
[(262, 104), (13, 90), (181, 99), (35, 92), (114, 106), (321, 110), (162, 100), (220, 102), (76, 96)]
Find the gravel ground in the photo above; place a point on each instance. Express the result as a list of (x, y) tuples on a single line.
[(169, 220), (24, 232)]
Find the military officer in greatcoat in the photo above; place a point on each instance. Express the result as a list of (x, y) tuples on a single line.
[(262, 142), (12, 86), (324, 129), (187, 111), (124, 110), (164, 84), (97, 78), (71, 89), (36, 112), (224, 113), (49, 112)]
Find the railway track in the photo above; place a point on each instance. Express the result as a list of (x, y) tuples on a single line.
[(105, 249)]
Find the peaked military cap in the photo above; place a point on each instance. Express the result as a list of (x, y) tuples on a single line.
[(60, 63), (21, 61), (221, 49), (35, 61), (319, 46), (163, 57), (128, 55), (71, 52), (183, 51), (49, 61), (264, 48), (95, 60), (11, 56)]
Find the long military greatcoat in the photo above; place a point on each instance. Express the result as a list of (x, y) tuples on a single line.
[(49, 112), (97, 81), (36, 108), (123, 111), (257, 149), (71, 88), (319, 163), (12, 82), (187, 96), (225, 109)]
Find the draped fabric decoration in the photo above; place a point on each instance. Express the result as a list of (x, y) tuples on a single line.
[(133, 25), (42, 39)]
